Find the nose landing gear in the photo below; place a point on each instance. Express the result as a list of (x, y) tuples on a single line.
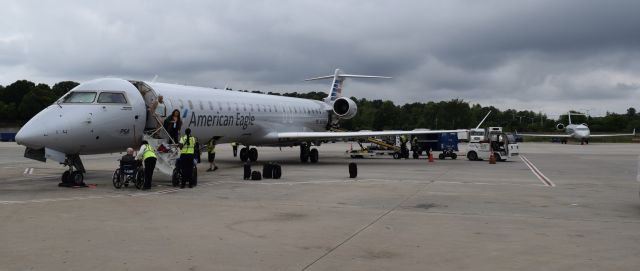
[(71, 177)]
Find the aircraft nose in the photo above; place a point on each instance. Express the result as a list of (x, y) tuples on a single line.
[(31, 135)]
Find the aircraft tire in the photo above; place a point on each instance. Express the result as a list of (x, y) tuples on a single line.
[(253, 154), (396, 155), (441, 156), (66, 177), (243, 154), (77, 178), (314, 155)]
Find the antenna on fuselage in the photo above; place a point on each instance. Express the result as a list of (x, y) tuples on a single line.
[(155, 77)]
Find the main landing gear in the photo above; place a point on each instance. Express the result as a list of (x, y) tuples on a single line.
[(250, 154), (73, 177), (308, 154), (584, 141)]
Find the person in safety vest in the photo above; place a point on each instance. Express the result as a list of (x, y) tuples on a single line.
[(187, 150), (148, 155), (404, 152), (211, 150)]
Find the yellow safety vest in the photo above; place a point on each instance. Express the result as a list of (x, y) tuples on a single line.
[(211, 148), (148, 152), (187, 148)]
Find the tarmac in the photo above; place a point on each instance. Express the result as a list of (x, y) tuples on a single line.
[(396, 215)]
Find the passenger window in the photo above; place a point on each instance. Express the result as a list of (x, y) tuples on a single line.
[(244, 107), (80, 97), (190, 105), (251, 106), (210, 106), (220, 106), (181, 104), (201, 107), (237, 107), (258, 108), (228, 106)]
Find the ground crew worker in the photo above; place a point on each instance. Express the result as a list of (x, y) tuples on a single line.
[(403, 146), (187, 149), (235, 148), (211, 151), (148, 155), (414, 146)]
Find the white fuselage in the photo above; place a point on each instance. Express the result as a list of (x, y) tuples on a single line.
[(578, 131), (91, 127)]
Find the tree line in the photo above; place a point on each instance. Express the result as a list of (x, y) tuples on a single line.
[(23, 99)]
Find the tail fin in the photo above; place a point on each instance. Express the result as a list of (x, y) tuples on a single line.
[(338, 83)]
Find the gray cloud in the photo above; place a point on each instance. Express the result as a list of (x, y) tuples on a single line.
[(546, 54)]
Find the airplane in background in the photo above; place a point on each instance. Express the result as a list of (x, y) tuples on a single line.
[(579, 132), (108, 115)]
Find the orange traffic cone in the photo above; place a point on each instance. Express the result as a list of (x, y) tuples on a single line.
[(492, 158), (430, 157)]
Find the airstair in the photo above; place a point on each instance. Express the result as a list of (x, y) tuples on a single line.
[(167, 151)]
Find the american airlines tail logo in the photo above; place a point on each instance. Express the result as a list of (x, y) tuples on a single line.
[(336, 90)]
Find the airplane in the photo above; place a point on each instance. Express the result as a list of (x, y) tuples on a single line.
[(110, 114), (579, 132)]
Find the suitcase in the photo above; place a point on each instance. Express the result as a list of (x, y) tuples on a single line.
[(255, 175), (247, 171), (353, 170), (277, 171), (267, 171)]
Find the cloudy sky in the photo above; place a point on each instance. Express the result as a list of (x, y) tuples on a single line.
[(546, 55)]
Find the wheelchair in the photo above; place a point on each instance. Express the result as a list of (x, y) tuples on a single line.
[(129, 173), (176, 176)]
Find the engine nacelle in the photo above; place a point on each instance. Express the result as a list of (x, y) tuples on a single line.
[(345, 108), (560, 126)]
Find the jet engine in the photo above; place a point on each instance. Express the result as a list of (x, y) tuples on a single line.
[(560, 126), (345, 108)]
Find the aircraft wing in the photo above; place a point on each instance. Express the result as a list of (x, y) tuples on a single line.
[(632, 134), (545, 135), (295, 136)]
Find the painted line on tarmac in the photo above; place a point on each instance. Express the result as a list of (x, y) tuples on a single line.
[(537, 172), (28, 171), (141, 194)]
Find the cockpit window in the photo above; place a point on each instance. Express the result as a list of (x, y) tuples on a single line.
[(112, 98), (80, 97)]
